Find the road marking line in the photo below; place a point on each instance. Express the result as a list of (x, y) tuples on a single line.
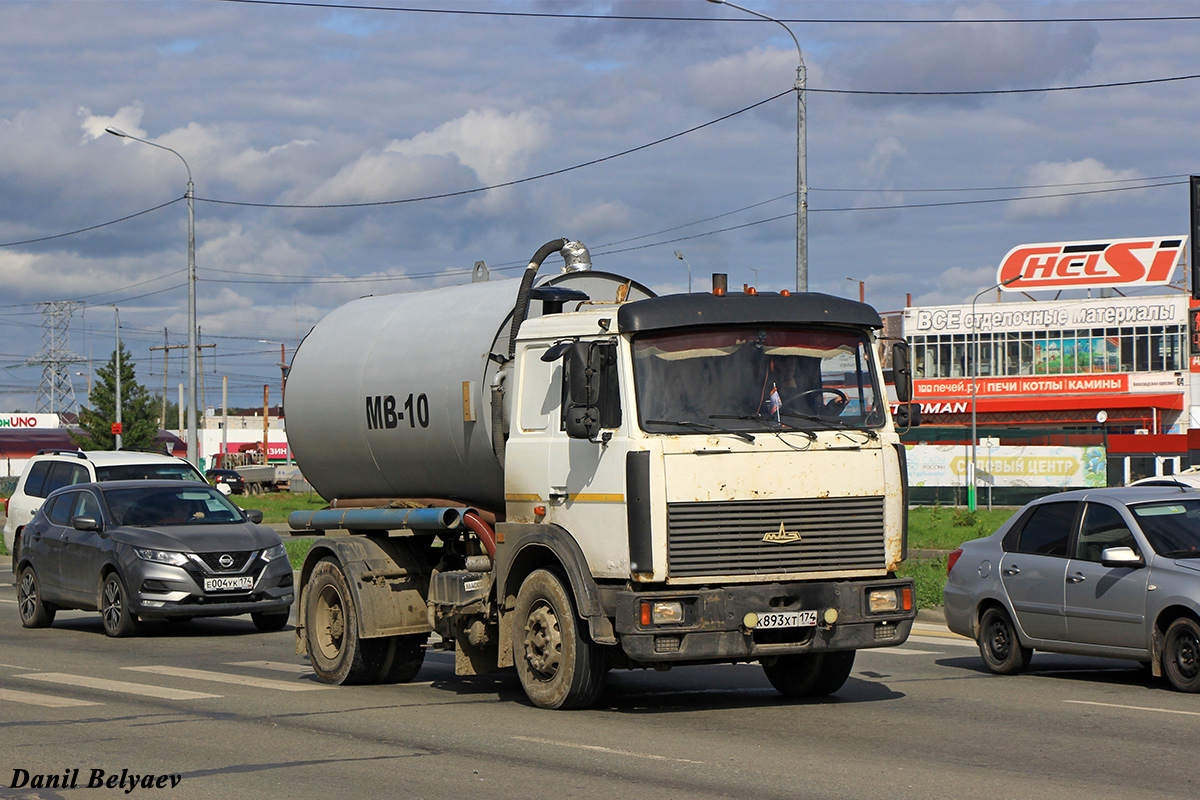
[(1134, 708), (904, 651), (227, 677), (47, 700), (600, 749), (124, 687), (278, 666), (958, 642)]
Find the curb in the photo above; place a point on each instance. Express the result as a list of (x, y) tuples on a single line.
[(932, 616)]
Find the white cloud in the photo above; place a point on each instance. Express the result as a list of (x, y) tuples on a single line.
[(127, 119), (1067, 180)]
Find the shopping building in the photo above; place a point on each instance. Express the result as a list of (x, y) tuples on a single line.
[(1088, 346)]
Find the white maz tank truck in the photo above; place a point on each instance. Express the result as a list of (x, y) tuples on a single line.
[(573, 475)]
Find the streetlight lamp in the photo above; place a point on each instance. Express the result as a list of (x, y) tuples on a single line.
[(801, 153), (862, 289), (971, 469), (679, 255), (193, 435)]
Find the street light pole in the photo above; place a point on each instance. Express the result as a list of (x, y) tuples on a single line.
[(801, 152), (862, 289), (971, 468), (679, 255), (118, 442), (193, 435)]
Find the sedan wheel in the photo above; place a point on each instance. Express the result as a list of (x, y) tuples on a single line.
[(114, 607), (34, 613), (999, 647), (1181, 655)]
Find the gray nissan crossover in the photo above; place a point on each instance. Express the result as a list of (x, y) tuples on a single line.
[(150, 550)]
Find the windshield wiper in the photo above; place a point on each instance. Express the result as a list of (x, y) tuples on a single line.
[(1191, 553), (833, 423), (702, 426), (767, 419)]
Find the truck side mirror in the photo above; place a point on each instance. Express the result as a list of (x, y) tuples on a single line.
[(583, 391), (908, 415), (902, 372)]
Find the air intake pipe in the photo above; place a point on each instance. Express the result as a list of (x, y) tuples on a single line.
[(577, 259)]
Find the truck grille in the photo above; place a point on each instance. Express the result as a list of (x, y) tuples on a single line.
[(735, 538)]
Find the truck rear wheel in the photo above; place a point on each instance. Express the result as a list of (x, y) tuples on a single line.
[(558, 666), (338, 654), (402, 657), (810, 674)]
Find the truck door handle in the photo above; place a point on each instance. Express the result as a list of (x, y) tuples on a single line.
[(1012, 570), (1076, 578), (557, 498)]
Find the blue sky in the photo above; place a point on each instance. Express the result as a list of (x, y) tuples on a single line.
[(287, 105)]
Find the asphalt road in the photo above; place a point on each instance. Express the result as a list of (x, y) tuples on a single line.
[(233, 713)]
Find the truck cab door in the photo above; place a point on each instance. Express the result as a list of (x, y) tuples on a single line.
[(580, 482)]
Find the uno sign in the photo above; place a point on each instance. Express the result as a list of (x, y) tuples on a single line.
[(1069, 265)]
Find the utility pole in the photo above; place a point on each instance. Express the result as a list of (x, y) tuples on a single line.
[(166, 348)]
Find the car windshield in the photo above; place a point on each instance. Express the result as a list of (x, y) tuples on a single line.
[(1172, 528), (755, 378), (161, 507), (148, 472)]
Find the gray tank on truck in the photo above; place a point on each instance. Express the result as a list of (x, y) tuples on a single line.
[(571, 476), (402, 395)]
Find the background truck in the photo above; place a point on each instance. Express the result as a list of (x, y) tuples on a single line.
[(577, 476)]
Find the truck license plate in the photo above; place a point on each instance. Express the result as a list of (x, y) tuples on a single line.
[(787, 619), (232, 584)]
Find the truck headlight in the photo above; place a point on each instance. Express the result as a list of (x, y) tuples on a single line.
[(662, 612), (880, 601), (161, 556)]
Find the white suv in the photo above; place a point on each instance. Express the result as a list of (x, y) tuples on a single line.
[(53, 469)]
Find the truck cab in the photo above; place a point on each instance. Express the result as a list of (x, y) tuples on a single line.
[(722, 469)]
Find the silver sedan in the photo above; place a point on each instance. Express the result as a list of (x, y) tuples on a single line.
[(1098, 572)]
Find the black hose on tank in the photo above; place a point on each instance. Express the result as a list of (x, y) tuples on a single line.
[(521, 309)]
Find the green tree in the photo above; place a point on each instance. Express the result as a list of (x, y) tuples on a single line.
[(139, 414)]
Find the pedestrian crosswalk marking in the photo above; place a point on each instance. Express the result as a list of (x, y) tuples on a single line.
[(227, 677), (123, 687), (47, 700), (277, 666)]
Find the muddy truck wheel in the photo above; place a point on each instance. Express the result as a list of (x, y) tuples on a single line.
[(338, 654), (810, 674), (558, 665)]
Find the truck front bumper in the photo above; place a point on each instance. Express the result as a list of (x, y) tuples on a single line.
[(727, 624)]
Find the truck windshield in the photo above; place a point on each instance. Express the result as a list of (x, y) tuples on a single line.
[(755, 378)]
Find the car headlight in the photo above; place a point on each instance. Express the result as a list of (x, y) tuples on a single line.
[(161, 556), (272, 553)]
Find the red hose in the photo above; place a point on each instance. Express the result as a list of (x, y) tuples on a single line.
[(483, 531)]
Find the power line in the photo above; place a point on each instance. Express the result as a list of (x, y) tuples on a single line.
[(657, 18), (516, 182), (91, 227), (978, 92)]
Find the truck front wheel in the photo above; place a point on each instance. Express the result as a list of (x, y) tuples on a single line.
[(558, 666), (338, 654), (810, 674)]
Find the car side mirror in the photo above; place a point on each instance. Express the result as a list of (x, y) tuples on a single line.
[(86, 524), (254, 515), (1120, 557)]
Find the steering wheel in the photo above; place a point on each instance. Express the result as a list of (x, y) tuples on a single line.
[(835, 406)]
